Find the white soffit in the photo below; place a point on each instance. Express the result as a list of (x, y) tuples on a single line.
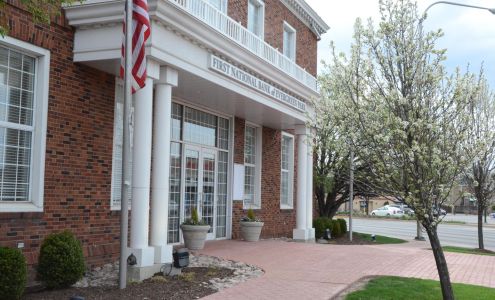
[(307, 15)]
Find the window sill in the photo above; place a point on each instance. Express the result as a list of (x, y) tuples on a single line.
[(19, 207), (253, 207), (286, 207)]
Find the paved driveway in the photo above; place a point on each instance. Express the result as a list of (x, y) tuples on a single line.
[(314, 271)]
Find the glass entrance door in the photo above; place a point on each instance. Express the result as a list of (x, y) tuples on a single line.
[(200, 184)]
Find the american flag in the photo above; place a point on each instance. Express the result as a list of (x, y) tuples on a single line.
[(140, 33)]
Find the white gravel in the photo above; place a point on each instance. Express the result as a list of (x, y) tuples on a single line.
[(242, 271), (108, 274)]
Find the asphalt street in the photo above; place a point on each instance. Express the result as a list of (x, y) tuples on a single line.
[(450, 234)]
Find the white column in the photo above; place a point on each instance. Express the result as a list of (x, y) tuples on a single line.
[(161, 164), (301, 231), (309, 191), (141, 169)]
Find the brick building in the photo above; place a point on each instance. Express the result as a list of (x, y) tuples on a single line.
[(219, 126)]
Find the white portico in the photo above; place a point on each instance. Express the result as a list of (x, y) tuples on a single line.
[(204, 70)]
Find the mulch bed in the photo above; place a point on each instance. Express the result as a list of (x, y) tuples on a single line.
[(356, 240), (192, 284)]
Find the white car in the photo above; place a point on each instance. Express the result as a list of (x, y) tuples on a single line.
[(387, 211)]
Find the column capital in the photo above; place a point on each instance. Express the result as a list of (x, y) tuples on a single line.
[(302, 129), (152, 69), (168, 76)]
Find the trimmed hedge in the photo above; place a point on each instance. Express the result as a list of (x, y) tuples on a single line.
[(336, 232), (13, 272), (61, 261), (320, 225), (343, 226)]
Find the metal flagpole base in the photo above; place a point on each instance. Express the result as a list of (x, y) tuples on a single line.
[(419, 238)]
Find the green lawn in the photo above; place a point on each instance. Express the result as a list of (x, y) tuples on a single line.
[(380, 239), (468, 250), (389, 287)]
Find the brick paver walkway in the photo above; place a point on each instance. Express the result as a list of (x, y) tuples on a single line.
[(314, 271)]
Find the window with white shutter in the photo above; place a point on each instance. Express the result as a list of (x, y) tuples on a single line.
[(252, 167), (24, 70), (287, 172), (118, 134)]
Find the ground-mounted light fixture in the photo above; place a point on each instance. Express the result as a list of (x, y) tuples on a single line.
[(131, 260), (328, 235), (373, 238)]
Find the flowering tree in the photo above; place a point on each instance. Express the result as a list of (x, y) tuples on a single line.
[(412, 119), (480, 176)]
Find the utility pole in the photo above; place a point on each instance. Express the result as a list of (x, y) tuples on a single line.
[(351, 193)]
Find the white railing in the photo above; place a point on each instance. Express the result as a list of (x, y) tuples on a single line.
[(236, 32)]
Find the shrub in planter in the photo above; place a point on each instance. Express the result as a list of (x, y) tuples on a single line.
[(61, 261), (320, 225), (251, 227), (194, 231), (12, 273), (336, 232), (343, 226)]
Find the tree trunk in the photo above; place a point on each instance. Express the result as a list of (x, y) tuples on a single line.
[(481, 243), (443, 270)]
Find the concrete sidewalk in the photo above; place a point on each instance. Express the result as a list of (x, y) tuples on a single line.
[(314, 271)]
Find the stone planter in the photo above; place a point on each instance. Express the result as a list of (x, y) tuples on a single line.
[(194, 236), (250, 231)]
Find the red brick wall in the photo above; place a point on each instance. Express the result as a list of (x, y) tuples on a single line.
[(278, 222), (275, 15), (78, 151)]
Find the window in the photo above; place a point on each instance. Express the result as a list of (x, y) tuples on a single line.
[(221, 5), (289, 41), (287, 172), (252, 167), (24, 71), (118, 134), (256, 16)]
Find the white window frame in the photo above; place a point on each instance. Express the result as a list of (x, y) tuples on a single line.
[(290, 171), (260, 5), (40, 115), (119, 87), (257, 166), (292, 47)]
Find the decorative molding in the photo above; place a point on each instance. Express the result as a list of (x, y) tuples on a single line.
[(307, 15)]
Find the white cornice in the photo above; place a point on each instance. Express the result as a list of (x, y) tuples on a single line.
[(307, 15)]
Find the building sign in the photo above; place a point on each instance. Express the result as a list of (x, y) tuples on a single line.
[(221, 66)]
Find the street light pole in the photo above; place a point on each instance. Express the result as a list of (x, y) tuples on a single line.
[(492, 10)]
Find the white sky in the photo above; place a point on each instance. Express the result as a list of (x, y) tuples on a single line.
[(469, 34)]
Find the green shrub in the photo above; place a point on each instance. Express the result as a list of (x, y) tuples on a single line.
[(61, 261), (12, 273), (343, 226), (320, 225), (336, 232)]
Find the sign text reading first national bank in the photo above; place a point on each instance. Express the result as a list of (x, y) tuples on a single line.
[(227, 69)]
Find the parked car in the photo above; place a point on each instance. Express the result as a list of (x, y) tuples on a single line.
[(387, 211), (406, 209), (437, 210)]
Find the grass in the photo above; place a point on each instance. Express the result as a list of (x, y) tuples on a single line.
[(380, 239), (389, 287), (468, 250), (454, 222)]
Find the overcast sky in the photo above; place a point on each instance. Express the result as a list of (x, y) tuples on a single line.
[(469, 33)]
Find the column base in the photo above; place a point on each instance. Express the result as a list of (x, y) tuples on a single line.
[(311, 234), (138, 274), (145, 257), (163, 254), (301, 234)]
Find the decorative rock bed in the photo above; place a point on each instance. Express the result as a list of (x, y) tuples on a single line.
[(108, 274)]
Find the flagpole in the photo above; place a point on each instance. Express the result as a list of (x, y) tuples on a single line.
[(126, 150)]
